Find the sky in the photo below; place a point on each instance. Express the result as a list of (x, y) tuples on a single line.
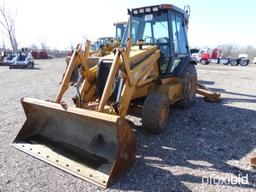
[(62, 23)]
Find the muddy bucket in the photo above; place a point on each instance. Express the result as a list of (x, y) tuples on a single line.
[(91, 145)]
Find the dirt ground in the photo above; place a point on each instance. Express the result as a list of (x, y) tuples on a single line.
[(205, 148)]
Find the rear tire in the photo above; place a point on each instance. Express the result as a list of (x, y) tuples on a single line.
[(243, 62), (234, 62), (189, 78), (155, 112)]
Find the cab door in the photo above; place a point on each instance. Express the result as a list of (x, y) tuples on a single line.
[(180, 54)]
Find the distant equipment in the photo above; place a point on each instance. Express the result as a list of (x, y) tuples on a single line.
[(207, 56), (39, 54), (23, 60)]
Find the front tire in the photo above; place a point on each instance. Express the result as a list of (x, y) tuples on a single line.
[(204, 62), (155, 112)]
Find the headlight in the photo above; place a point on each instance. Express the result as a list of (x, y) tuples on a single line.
[(135, 12), (155, 9), (141, 10), (148, 10)]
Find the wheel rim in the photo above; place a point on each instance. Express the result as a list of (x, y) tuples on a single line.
[(243, 63), (233, 63), (192, 87), (163, 115)]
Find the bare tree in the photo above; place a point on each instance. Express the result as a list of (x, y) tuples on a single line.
[(3, 44), (232, 50), (43, 44), (33, 46), (7, 23), (250, 50), (227, 49)]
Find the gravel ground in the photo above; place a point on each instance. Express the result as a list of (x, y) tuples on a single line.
[(207, 141)]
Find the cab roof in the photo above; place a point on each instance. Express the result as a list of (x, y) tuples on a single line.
[(120, 23), (157, 8)]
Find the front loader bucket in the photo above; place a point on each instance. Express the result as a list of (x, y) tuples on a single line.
[(91, 145)]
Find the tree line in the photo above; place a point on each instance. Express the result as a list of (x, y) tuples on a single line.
[(232, 50)]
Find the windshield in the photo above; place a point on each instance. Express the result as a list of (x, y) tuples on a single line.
[(105, 40), (120, 29), (152, 28)]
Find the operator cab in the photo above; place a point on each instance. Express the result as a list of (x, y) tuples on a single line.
[(163, 25), (120, 30)]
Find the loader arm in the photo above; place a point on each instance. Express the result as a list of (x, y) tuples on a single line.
[(78, 57), (145, 72), (141, 75)]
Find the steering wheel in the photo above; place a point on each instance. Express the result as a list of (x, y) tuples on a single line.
[(154, 40), (163, 40)]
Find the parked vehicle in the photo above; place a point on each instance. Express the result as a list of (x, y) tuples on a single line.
[(9, 58), (42, 55), (243, 60), (34, 54), (2, 56), (24, 60), (254, 60), (215, 56), (195, 53), (39, 54), (208, 55)]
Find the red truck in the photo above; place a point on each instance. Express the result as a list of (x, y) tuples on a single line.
[(207, 56), (39, 54), (215, 56)]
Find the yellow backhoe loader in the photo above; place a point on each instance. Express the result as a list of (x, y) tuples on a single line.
[(151, 70)]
